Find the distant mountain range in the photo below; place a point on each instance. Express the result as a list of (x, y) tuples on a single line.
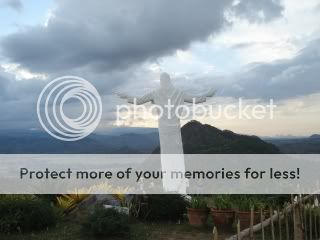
[(307, 145), (197, 138), (315, 136), (36, 142)]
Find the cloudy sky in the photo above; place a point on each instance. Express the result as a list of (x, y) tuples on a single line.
[(253, 49)]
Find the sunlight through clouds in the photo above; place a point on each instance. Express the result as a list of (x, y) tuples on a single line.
[(251, 49)]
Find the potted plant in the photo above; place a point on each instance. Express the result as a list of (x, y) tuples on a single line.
[(244, 205), (222, 213), (198, 211)]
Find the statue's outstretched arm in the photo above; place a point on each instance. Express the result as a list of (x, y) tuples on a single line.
[(199, 99), (137, 100)]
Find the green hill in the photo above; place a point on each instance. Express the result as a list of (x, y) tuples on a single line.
[(205, 139)]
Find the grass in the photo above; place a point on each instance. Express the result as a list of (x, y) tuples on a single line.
[(70, 229), (65, 230)]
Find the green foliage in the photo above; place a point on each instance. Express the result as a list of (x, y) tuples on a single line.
[(25, 214), (106, 223), (47, 197), (198, 202), (275, 201), (311, 209), (135, 204), (17, 197), (246, 202), (223, 201), (163, 208)]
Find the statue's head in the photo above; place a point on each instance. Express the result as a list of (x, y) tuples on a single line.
[(165, 80)]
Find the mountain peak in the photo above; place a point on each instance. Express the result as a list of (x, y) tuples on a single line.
[(206, 139)]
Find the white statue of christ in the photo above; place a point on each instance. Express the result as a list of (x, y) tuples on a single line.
[(169, 127)]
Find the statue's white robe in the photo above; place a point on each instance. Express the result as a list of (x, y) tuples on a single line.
[(169, 122), (171, 147), (170, 137)]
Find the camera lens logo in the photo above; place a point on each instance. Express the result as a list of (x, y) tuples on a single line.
[(52, 101)]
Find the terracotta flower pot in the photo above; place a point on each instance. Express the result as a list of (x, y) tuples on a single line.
[(244, 218), (222, 218), (197, 217)]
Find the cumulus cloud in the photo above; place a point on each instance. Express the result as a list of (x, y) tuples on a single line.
[(254, 10), (107, 42), (14, 4), (18, 101), (18, 98), (107, 35), (11, 89), (281, 79)]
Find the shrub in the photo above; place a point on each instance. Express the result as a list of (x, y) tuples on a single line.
[(164, 208), (223, 201), (246, 202), (25, 215), (198, 202), (17, 197), (106, 223), (52, 198)]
